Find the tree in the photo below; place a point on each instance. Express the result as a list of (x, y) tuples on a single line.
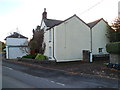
[(2, 46), (36, 43), (115, 33)]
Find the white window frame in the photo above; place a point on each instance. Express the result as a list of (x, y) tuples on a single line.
[(50, 52), (50, 35)]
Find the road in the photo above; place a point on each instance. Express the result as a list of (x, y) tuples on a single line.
[(21, 76), (17, 79)]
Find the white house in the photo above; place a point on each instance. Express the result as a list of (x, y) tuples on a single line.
[(66, 40), (16, 46), (99, 39)]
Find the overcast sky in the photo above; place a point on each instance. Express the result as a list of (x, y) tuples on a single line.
[(27, 14)]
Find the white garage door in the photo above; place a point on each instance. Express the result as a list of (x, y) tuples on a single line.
[(15, 52)]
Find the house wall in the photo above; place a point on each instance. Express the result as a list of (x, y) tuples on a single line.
[(71, 38), (15, 52), (14, 47), (48, 40), (16, 41), (43, 26), (99, 38)]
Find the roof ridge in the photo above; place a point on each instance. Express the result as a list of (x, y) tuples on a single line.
[(93, 23), (16, 35), (70, 18), (95, 20)]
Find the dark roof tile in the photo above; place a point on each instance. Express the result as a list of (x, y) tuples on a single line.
[(51, 22), (92, 24), (16, 35)]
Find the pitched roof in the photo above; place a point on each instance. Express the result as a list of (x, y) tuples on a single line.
[(16, 35), (51, 22), (92, 24), (68, 19)]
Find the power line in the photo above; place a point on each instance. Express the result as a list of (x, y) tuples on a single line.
[(91, 7)]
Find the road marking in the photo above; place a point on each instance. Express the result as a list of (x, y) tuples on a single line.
[(61, 84), (58, 83), (52, 81)]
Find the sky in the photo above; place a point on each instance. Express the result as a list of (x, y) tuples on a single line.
[(24, 15)]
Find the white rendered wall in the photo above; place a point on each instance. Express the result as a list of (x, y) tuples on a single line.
[(14, 47), (71, 38), (16, 41), (99, 38), (49, 43)]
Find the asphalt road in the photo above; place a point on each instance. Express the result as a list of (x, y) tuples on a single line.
[(21, 76), (16, 79)]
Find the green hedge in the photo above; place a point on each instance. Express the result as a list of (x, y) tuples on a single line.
[(32, 56), (41, 57), (113, 48)]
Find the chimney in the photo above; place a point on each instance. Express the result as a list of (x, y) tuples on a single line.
[(44, 15)]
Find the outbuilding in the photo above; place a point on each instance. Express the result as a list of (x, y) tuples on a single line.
[(16, 45)]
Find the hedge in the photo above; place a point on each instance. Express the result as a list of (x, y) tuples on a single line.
[(113, 48), (41, 57), (32, 56)]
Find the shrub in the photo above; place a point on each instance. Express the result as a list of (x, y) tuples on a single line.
[(113, 48), (110, 65), (32, 56), (41, 57)]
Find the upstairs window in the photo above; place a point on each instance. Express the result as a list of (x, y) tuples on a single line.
[(50, 36)]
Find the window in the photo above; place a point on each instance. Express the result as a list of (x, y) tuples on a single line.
[(50, 35), (100, 50), (50, 52)]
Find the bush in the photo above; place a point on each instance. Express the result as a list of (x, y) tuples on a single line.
[(32, 56), (41, 57), (117, 66), (110, 65), (113, 48)]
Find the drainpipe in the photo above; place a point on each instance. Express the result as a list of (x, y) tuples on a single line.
[(91, 45), (53, 46)]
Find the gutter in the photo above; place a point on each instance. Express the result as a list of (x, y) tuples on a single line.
[(53, 46)]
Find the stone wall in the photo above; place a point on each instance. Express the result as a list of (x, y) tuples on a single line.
[(115, 58)]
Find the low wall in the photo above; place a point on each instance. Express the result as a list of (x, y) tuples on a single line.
[(115, 58), (35, 61)]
